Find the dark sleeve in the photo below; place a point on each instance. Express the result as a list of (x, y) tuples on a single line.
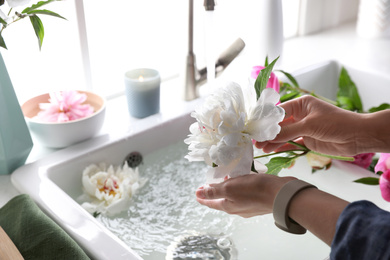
[(362, 232)]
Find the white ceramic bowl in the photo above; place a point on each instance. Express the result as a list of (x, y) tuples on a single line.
[(62, 134)]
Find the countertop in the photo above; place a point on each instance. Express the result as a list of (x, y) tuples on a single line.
[(339, 43)]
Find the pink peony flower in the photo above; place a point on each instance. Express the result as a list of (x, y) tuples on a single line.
[(64, 106), (383, 163), (384, 185), (383, 166), (273, 81), (363, 160)]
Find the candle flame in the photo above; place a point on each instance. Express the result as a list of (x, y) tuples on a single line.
[(141, 78)]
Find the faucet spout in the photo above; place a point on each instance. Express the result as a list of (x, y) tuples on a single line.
[(193, 77)]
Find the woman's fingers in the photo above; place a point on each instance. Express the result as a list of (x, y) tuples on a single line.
[(212, 196), (209, 192)]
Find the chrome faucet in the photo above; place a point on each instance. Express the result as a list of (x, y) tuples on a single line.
[(194, 77)]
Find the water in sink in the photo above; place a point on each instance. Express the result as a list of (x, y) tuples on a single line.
[(164, 213)]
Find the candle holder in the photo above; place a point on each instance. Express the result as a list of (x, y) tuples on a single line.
[(142, 92)]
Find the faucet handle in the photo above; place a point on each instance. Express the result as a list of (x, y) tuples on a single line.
[(227, 56), (209, 5), (224, 59)]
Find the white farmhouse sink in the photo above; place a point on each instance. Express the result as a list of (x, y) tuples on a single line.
[(55, 182)]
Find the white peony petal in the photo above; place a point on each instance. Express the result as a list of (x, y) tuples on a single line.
[(225, 125), (260, 168), (264, 119), (109, 189)]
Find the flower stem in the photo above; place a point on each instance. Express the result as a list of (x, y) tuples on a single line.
[(271, 154), (313, 94), (299, 145), (341, 158)]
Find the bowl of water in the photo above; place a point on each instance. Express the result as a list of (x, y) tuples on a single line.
[(63, 134)]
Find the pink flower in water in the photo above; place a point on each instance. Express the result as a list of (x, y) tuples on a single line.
[(64, 106), (383, 166), (363, 160), (273, 81)]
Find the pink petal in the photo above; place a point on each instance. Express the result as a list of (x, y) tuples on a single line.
[(65, 106), (383, 163), (363, 160), (384, 185)]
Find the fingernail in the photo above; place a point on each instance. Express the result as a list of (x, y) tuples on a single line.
[(200, 193)]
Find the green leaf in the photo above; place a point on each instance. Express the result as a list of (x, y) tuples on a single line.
[(253, 169), (38, 28), (263, 77), (345, 103), (368, 181), (276, 164), (37, 5), (96, 214), (291, 78), (381, 107), (289, 96), (348, 95), (2, 42), (47, 12), (266, 61), (4, 23), (373, 163)]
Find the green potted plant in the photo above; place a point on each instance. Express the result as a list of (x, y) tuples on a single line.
[(15, 138)]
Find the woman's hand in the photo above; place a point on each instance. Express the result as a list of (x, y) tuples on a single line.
[(247, 196), (322, 127), (254, 194)]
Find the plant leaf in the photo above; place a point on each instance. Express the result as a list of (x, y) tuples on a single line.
[(263, 77), (276, 164), (253, 169), (37, 5), (4, 23), (345, 103), (38, 28), (289, 96), (291, 78), (373, 163), (266, 61), (381, 107), (2, 42), (368, 181), (47, 12), (348, 91)]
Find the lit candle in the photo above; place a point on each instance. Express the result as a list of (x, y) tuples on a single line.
[(143, 92)]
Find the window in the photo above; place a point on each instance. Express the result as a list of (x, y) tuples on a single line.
[(122, 35), (57, 66)]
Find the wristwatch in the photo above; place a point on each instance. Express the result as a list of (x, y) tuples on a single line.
[(282, 203)]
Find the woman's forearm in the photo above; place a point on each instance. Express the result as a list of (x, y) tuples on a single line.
[(373, 133), (318, 212)]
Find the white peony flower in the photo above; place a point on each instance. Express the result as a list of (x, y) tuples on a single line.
[(109, 190), (226, 124)]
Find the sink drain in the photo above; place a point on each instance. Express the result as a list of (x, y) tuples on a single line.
[(201, 247), (133, 159)]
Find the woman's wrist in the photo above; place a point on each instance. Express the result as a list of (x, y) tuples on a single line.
[(372, 135), (318, 212)]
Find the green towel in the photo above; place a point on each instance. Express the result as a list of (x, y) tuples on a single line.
[(36, 235)]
